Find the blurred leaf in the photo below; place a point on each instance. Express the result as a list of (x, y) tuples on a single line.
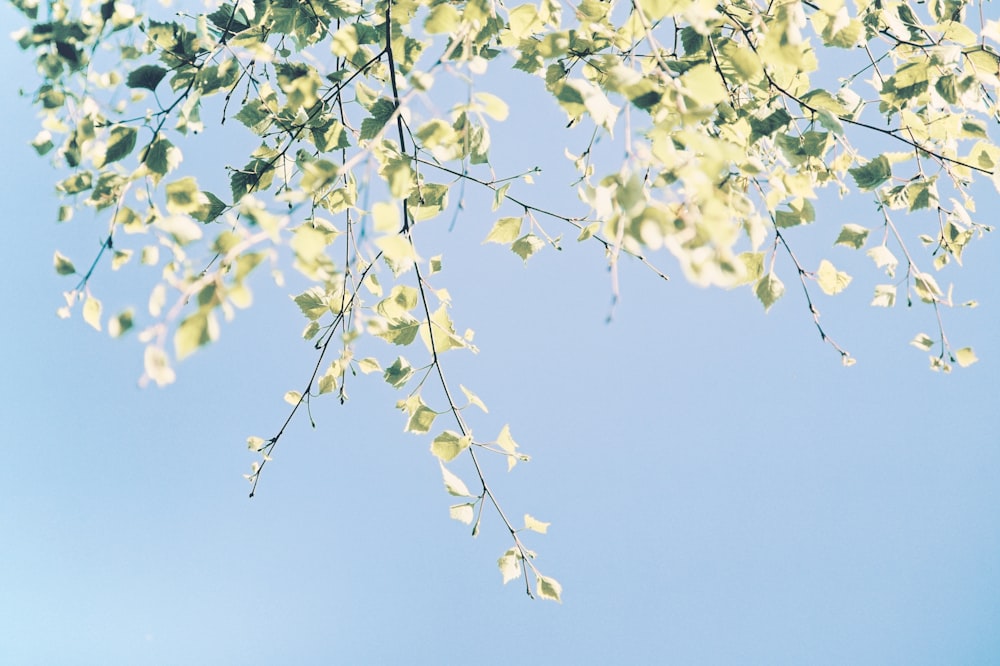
[(965, 357), (63, 265), (92, 312)]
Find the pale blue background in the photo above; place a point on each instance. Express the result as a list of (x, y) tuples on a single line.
[(721, 490)]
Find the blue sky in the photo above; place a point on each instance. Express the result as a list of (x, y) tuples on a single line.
[(720, 489)]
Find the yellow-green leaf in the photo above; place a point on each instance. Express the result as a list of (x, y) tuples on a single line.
[(535, 525), (448, 445), (830, 280), (506, 230), (549, 588), (92, 312), (454, 485), (63, 265), (965, 357)]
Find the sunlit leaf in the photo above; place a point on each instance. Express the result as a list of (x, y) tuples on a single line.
[(535, 525), (453, 484), (464, 513), (448, 445), (852, 235), (965, 357), (873, 174), (473, 398), (62, 264), (830, 280), (92, 312), (505, 230), (527, 245), (510, 565), (549, 588), (769, 289)]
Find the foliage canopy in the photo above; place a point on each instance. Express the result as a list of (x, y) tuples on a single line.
[(732, 119)]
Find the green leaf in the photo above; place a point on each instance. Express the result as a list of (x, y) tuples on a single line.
[(448, 445), (852, 235), (769, 289), (183, 196), (768, 125), (161, 157), (421, 420), (121, 142), (588, 231), (398, 373), (527, 245), (800, 212), (753, 264), (195, 331), (549, 588), (830, 280), (293, 397), (78, 182), (118, 326), (443, 18), (62, 264), (965, 357), (312, 302), (454, 485), (381, 111), (147, 76), (505, 230), (873, 174), (401, 331), (256, 115), (211, 210), (43, 142)]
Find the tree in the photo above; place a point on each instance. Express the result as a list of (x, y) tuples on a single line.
[(706, 129)]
